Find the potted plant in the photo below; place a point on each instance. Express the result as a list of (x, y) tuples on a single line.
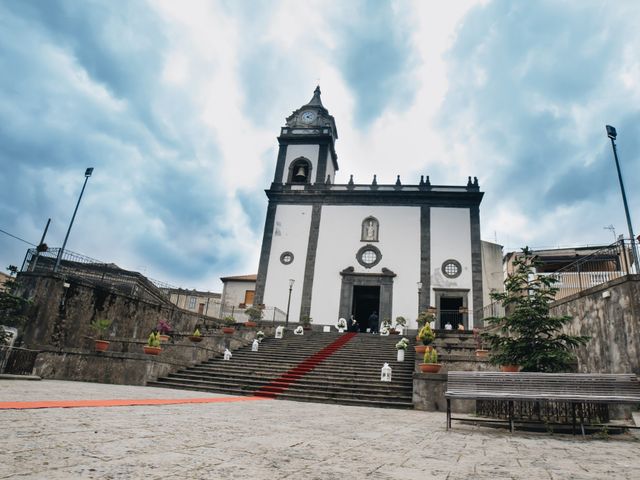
[(386, 325), (164, 329), (260, 335), (228, 321), (306, 322), (430, 360), (400, 322), (255, 315), (196, 337), (480, 351), (100, 327), (401, 347), (153, 344), (341, 325), (426, 336)]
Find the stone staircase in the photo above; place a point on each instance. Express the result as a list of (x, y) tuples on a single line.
[(316, 367)]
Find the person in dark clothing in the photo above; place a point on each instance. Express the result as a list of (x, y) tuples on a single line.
[(373, 322)]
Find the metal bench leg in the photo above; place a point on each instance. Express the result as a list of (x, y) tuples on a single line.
[(448, 413), (581, 420), (573, 418), (511, 416)]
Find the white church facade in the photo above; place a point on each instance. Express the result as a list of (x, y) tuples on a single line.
[(331, 250)]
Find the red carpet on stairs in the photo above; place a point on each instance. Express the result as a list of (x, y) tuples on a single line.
[(280, 384)]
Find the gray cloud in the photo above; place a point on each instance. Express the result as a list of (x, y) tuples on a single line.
[(538, 81), (375, 57)]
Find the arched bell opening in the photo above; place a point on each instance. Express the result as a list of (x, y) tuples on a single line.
[(300, 171)]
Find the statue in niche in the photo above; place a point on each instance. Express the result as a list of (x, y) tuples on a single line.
[(370, 230)]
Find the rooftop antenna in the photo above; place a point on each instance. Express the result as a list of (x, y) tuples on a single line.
[(612, 229)]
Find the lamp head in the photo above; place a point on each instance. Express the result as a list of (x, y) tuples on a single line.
[(611, 132), (88, 172), (291, 282)]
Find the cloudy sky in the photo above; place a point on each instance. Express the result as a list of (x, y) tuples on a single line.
[(177, 105)]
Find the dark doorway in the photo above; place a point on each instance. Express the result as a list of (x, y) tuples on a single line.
[(366, 300), (450, 311)]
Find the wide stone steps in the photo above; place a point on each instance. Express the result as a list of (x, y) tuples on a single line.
[(350, 375), (335, 382)]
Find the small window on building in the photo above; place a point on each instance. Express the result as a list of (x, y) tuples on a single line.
[(248, 297), (286, 258), (368, 256), (192, 303), (451, 268), (370, 227)]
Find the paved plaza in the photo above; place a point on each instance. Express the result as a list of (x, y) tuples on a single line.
[(272, 439)]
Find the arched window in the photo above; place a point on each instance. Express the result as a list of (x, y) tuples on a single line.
[(300, 171), (370, 230)]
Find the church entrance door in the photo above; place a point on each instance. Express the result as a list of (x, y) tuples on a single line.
[(450, 311), (366, 300)]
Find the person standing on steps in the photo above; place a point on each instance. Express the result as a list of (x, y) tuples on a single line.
[(373, 322)]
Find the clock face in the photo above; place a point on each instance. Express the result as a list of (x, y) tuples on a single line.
[(308, 116)]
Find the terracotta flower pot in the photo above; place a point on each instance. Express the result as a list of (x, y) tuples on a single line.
[(152, 350), (228, 330), (164, 338), (102, 345), (195, 338), (510, 368), (306, 327), (250, 324), (480, 353), (420, 349), (430, 367)]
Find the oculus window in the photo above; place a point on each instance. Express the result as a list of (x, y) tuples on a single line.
[(286, 258), (451, 268), (368, 256)]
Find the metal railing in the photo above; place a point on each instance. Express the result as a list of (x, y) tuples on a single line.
[(17, 361), (599, 267), (96, 272), (269, 314)]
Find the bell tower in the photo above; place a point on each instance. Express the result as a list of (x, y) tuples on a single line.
[(306, 154)]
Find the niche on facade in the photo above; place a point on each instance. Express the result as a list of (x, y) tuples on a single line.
[(370, 230)]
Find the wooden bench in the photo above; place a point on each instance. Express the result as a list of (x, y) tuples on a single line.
[(572, 388)]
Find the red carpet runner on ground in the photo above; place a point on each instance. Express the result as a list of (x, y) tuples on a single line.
[(280, 384), (119, 402)]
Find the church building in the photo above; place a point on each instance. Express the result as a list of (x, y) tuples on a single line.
[(332, 249)]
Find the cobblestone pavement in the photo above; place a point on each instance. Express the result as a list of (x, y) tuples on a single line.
[(273, 439)]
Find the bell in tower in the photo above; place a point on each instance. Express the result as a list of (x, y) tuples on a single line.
[(300, 174)]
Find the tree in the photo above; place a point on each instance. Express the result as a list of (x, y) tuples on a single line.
[(12, 307), (528, 335)]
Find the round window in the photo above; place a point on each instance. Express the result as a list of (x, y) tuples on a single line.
[(368, 256), (451, 268), (286, 258)]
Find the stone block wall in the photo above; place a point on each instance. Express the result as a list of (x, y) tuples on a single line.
[(126, 364), (610, 315), (60, 317)]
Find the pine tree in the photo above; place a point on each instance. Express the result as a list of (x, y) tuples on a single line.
[(528, 335)]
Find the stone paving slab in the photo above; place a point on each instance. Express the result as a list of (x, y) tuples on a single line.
[(276, 439)]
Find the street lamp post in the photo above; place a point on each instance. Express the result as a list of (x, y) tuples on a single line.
[(612, 134), (286, 322), (419, 293), (87, 174)]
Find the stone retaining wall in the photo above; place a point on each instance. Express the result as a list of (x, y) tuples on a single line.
[(126, 364), (610, 315)]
